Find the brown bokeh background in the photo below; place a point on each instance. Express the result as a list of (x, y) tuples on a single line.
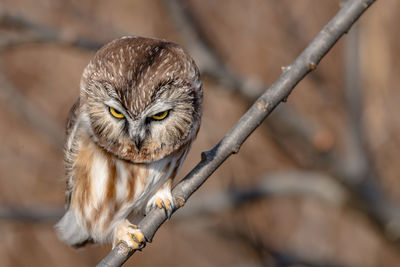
[(327, 159)]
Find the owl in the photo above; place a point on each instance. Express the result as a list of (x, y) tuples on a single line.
[(138, 112)]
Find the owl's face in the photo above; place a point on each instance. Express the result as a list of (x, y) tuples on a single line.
[(141, 98)]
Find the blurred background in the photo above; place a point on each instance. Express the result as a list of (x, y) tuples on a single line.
[(317, 184)]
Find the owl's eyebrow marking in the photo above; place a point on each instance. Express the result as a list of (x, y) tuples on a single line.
[(116, 104), (111, 92), (161, 87), (115, 100), (165, 82)]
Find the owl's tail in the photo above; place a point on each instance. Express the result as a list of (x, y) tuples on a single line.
[(70, 231)]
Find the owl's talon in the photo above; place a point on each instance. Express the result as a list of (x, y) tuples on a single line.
[(138, 237), (138, 240), (162, 200), (159, 203), (169, 213), (164, 204), (131, 235), (168, 205)]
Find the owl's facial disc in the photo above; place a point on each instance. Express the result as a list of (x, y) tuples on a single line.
[(143, 98), (139, 128)]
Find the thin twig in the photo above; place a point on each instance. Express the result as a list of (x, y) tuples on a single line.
[(230, 144), (267, 255), (208, 60), (359, 169), (45, 126), (277, 184), (31, 214), (41, 34)]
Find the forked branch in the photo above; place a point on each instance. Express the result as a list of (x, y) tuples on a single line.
[(265, 104)]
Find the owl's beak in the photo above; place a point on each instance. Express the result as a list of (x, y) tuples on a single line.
[(137, 133), (138, 142)]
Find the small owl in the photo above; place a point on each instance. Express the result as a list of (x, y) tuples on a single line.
[(137, 115)]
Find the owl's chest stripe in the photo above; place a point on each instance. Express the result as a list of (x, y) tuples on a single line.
[(99, 179), (108, 189)]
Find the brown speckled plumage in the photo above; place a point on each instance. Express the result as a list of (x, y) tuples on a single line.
[(120, 168)]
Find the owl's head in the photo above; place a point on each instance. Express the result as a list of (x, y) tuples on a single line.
[(141, 98)]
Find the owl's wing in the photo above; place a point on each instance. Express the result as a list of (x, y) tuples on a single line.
[(72, 116), (71, 122)]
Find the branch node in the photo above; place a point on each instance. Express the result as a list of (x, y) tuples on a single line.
[(285, 68), (206, 155), (123, 247), (312, 66), (203, 156), (236, 149), (180, 201), (261, 105)]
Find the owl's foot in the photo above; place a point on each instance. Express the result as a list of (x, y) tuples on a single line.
[(163, 200), (130, 234)]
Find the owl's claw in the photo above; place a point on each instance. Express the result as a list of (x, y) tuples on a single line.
[(138, 240), (165, 204), (162, 200), (131, 235)]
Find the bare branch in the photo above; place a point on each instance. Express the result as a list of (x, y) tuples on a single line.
[(45, 126), (31, 214), (230, 144), (277, 184), (357, 167), (39, 34), (267, 255), (208, 60)]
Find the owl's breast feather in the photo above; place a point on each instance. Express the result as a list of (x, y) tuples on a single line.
[(107, 189)]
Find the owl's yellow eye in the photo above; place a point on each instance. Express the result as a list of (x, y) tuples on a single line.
[(160, 116), (116, 113)]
